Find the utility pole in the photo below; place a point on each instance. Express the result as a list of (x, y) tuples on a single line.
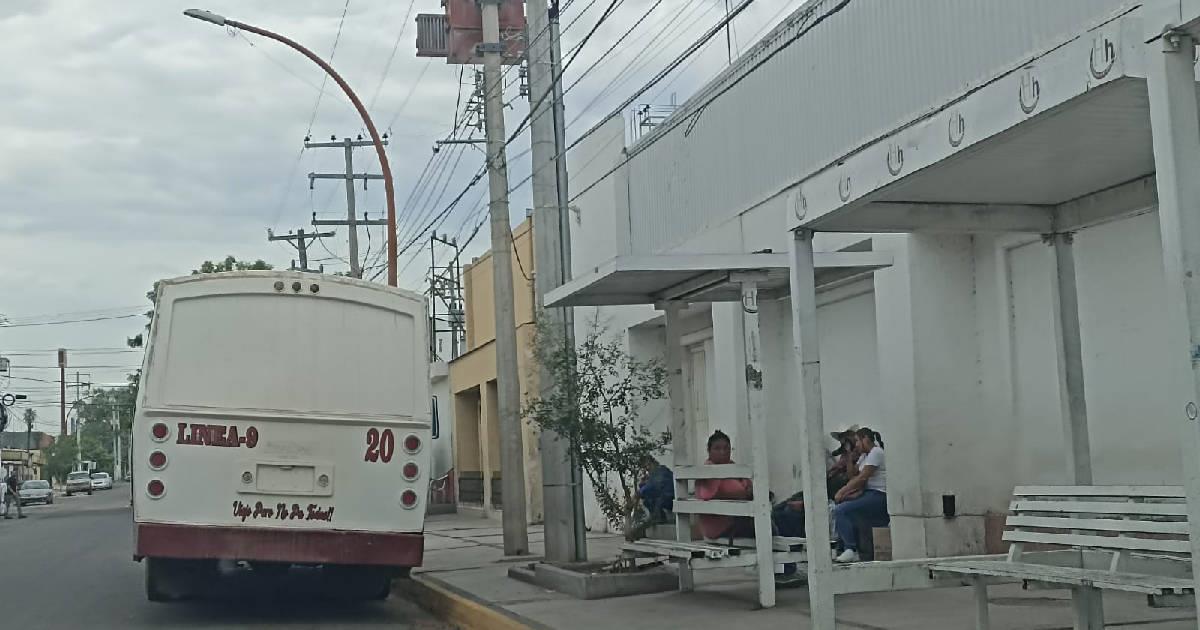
[(351, 219), (353, 223), (116, 420), (512, 464), (78, 430), (29, 417), (300, 240), (566, 539), (78, 427), (62, 391), (445, 286), (728, 36)]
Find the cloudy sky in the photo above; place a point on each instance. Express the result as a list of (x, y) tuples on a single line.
[(136, 143)]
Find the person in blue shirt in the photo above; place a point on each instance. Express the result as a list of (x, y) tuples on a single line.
[(657, 490)]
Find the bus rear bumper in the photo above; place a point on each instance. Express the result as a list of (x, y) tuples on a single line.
[(298, 546)]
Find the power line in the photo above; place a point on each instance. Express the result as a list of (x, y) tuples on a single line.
[(679, 24), (76, 367), (574, 52), (70, 321), (717, 93), (614, 46), (396, 46), (411, 90), (674, 64), (521, 126), (100, 311), (30, 378), (325, 78), (28, 352), (768, 25), (287, 186)]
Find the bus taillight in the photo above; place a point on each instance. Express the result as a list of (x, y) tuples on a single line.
[(156, 488), (412, 444), (158, 460), (408, 499), (411, 471)]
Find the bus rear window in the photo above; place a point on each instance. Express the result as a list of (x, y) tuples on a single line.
[(290, 353)]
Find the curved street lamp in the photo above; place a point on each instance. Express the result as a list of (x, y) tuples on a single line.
[(220, 20)]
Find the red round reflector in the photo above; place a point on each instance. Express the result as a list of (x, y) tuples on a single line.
[(412, 444), (158, 459), (156, 488), (408, 498), (159, 431), (411, 471)]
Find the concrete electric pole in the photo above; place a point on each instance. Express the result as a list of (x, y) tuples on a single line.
[(300, 240), (62, 392), (353, 224), (117, 444), (512, 464), (561, 478), (351, 217)]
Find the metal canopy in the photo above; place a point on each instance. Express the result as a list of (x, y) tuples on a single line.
[(1006, 155), (701, 278)]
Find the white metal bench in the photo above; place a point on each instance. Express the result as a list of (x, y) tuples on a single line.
[(692, 555), (1118, 536), (702, 555)]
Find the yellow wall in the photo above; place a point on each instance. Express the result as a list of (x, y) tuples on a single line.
[(473, 375), (478, 291)]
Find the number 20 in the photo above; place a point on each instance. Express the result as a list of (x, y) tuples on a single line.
[(380, 446)]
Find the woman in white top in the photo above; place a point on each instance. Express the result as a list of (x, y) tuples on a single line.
[(863, 501)]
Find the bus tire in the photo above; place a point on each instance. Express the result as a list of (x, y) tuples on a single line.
[(362, 583), (157, 578), (377, 585)]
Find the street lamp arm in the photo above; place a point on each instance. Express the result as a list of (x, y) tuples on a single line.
[(389, 188)]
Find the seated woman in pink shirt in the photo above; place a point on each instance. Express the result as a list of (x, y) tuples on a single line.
[(713, 526)]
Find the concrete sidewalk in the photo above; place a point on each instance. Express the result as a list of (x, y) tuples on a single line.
[(464, 567)]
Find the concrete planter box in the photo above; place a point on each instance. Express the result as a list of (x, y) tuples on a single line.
[(585, 581)]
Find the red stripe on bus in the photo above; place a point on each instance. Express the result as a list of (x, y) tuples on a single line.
[(159, 540)]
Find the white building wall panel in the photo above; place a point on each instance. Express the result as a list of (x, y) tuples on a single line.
[(1125, 359), (862, 68), (599, 225)]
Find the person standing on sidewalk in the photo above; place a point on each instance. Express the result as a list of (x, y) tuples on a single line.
[(13, 495)]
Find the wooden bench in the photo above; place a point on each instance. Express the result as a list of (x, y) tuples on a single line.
[(1116, 534)]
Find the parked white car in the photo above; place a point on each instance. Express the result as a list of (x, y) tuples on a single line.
[(101, 481), (79, 481), (36, 491)]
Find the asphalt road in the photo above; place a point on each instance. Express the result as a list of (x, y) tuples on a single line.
[(70, 565)]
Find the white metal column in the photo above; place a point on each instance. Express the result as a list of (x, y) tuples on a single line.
[(1176, 131), (812, 456), (681, 447), (1065, 302), (757, 417)]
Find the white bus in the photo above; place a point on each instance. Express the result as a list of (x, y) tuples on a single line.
[(283, 419)]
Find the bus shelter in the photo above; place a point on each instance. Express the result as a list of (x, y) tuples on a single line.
[(671, 283), (1099, 127)]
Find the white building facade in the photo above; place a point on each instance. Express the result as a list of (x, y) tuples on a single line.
[(951, 352)]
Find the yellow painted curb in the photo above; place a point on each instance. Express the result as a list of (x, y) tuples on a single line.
[(454, 605)]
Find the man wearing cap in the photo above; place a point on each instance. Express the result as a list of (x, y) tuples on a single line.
[(840, 470), (788, 516)]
